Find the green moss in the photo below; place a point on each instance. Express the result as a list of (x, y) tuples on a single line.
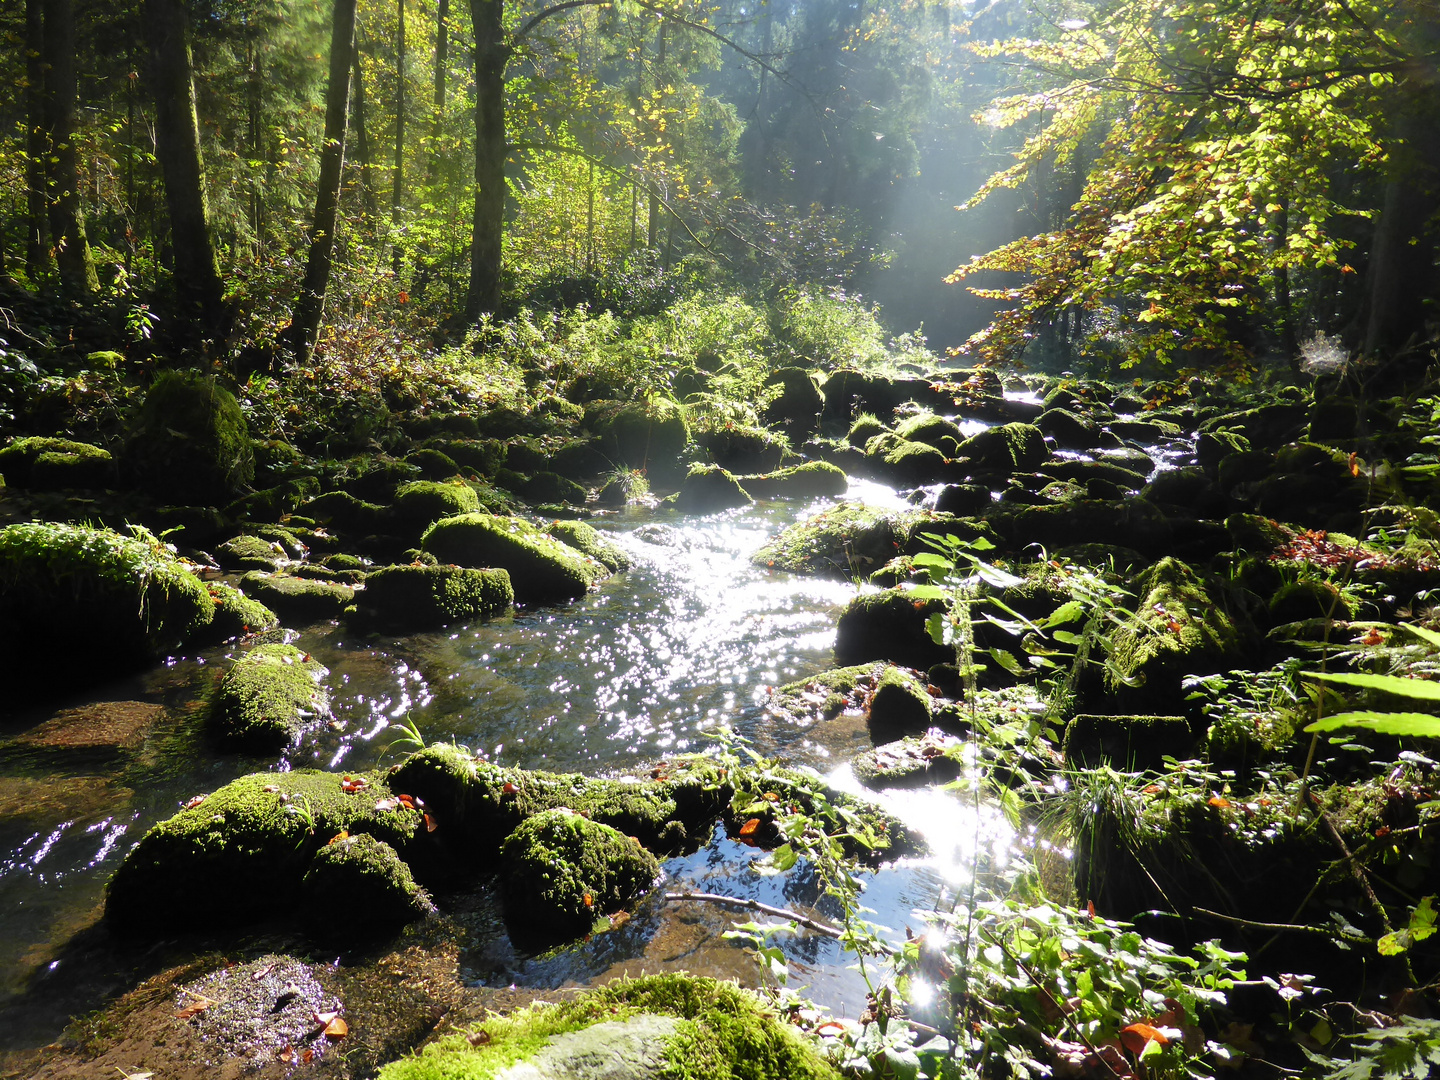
[(543, 487), (584, 539), (275, 502), (740, 448), (799, 402), (433, 596), (1251, 532), (241, 853), (647, 434), (852, 540), (1129, 743), (899, 707), (267, 697), (933, 430), (237, 614), (889, 625), (708, 489), (865, 428), (345, 512), (52, 464), (559, 871), (1309, 599), (359, 886), (419, 503), (298, 598), (1007, 448), (249, 553), (542, 569), (433, 464), (482, 455), (190, 444), (726, 1033), (74, 590), (814, 478), (375, 478), (909, 762), (826, 695)]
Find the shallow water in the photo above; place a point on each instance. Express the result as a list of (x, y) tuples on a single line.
[(650, 664)]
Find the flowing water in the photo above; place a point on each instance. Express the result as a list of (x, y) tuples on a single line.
[(648, 665)]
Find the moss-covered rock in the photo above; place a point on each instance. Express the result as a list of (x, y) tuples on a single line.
[(889, 625), (542, 569), (648, 434), (944, 435), (249, 553), (358, 886), (267, 697), (910, 762), (660, 1027), (1251, 532), (1135, 523), (74, 591), (1008, 448), (345, 512), (374, 477), (708, 489), (543, 487), (826, 695), (853, 540), (433, 464), (48, 464), (1128, 743), (864, 428), (297, 597), (190, 443), (241, 852), (1069, 430), (899, 706), (430, 597), (797, 408), (744, 449), (963, 500), (917, 463), (1086, 472), (1308, 599), (419, 503), (274, 502), (559, 871), (584, 539), (808, 481), (236, 615)]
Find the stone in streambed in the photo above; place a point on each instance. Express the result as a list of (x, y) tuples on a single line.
[(191, 444), (899, 707), (49, 464), (297, 597), (542, 569), (1128, 743), (889, 625), (235, 615), (358, 886), (586, 540), (430, 597), (249, 553), (267, 697), (708, 489), (808, 481)]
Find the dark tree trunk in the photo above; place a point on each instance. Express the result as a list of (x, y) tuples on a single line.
[(397, 181), (67, 219), (37, 253), (305, 320), (437, 102), (198, 286), (491, 54), (1289, 344), (368, 197)]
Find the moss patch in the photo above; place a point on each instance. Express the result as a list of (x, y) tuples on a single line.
[(646, 434), (267, 697), (51, 464), (811, 480), (432, 596), (191, 444), (542, 569), (708, 489), (297, 597), (249, 553), (899, 707), (853, 540), (584, 539), (417, 504), (358, 886), (345, 512), (237, 614), (559, 871)]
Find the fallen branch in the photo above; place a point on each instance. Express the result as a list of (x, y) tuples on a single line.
[(756, 905), (1282, 927)]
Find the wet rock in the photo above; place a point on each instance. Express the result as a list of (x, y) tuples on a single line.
[(962, 499), (1084, 472), (853, 540), (430, 597), (1069, 430), (345, 512), (241, 852), (1128, 743), (744, 449), (826, 695), (1007, 448), (249, 553), (917, 463), (1128, 457), (560, 871), (108, 726), (715, 1028), (48, 464), (357, 887), (584, 539), (235, 615), (808, 481), (267, 697), (623, 488), (709, 489), (191, 444), (542, 569), (297, 597), (255, 1011), (433, 464), (797, 409), (288, 538), (119, 602), (889, 625), (1212, 446), (910, 762), (543, 487), (944, 435), (419, 503), (646, 434), (899, 707)]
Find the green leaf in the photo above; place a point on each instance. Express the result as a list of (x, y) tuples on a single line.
[(1007, 661), (1393, 944), (784, 857), (1429, 636), (1418, 689), (1066, 613), (1414, 725)]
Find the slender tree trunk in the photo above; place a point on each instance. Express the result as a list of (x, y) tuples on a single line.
[(491, 54), (253, 120), (437, 102), (1283, 308), (397, 182), (177, 145), (305, 320), (37, 253), (67, 219), (368, 197)]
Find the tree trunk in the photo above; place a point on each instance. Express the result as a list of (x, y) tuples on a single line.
[(305, 320), (37, 253), (491, 54), (398, 180), (1289, 344), (370, 200), (198, 287), (67, 219), (442, 60)]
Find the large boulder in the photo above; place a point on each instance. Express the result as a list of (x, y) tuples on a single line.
[(560, 871), (48, 464), (92, 602), (542, 569), (648, 434), (797, 408), (899, 707), (357, 886), (708, 489), (267, 697), (944, 435), (586, 540), (1008, 448), (419, 503), (299, 598), (889, 625), (851, 541), (431, 597), (814, 478), (190, 443)]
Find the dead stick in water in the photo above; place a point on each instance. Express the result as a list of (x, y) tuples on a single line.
[(755, 905)]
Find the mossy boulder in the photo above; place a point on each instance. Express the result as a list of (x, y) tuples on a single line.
[(797, 408), (236, 614), (744, 449), (1135, 523), (542, 569), (249, 553), (241, 853), (69, 591), (917, 463), (910, 762), (899, 706), (811, 480), (852, 540), (963, 499), (1011, 447), (297, 597), (649, 434), (542, 487), (274, 502), (433, 464), (659, 1027), (1069, 430), (48, 464), (375, 478), (430, 597), (190, 443), (358, 886), (709, 489), (1127, 743), (267, 697), (889, 625), (345, 512), (419, 503), (825, 695), (865, 428), (1308, 599), (944, 435), (584, 539), (559, 871)]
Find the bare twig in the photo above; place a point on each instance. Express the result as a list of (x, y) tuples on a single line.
[(755, 905), (1299, 928)]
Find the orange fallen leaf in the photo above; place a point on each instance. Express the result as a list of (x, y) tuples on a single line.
[(196, 801), (509, 789), (336, 1029), (339, 837), (270, 789), (748, 829), (1152, 789), (1219, 803), (1090, 908), (1136, 1036), (193, 1010), (830, 1029), (430, 824), (406, 801), (770, 796), (287, 1054), (350, 785), (478, 1038), (589, 900), (307, 1057)]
